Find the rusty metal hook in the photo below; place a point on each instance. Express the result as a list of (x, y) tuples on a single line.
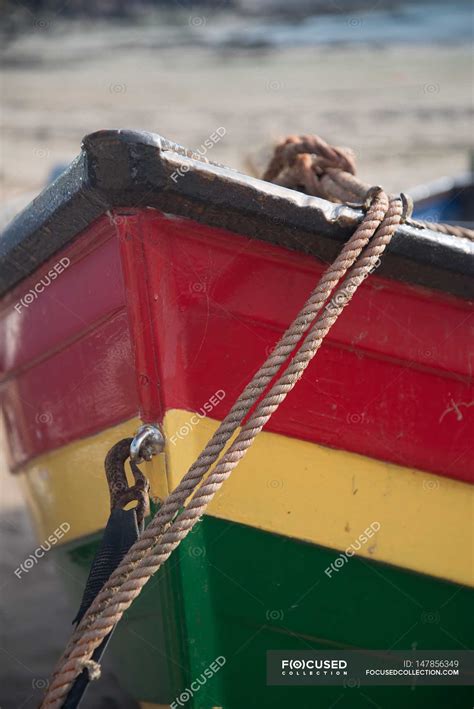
[(121, 494)]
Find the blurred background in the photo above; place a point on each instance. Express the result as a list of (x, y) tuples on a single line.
[(393, 80)]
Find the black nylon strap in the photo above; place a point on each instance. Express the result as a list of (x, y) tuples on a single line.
[(120, 533)]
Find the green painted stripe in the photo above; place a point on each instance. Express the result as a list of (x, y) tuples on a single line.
[(236, 591)]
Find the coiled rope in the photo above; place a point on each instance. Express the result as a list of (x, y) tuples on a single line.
[(321, 170), (309, 164)]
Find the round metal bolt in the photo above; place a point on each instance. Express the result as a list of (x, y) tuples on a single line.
[(148, 441)]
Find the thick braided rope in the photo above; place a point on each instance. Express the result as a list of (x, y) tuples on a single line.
[(461, 232), (124, 595), (323, 155), (284, 347), (308, 163), (333, 274), (184, 523), (348, 255), (217, 445)]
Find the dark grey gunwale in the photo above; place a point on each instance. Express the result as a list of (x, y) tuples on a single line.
[(128, 169)]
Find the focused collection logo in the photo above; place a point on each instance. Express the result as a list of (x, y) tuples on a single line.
[(312, 667), (357, 668)]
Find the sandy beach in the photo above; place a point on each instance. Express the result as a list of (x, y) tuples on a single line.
[(397, 107), (406, 110)]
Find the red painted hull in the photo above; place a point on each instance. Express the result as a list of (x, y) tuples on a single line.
[(155, 313)]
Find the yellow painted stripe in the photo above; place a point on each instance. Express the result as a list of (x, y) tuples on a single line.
[(329, 497), (285, 486)]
